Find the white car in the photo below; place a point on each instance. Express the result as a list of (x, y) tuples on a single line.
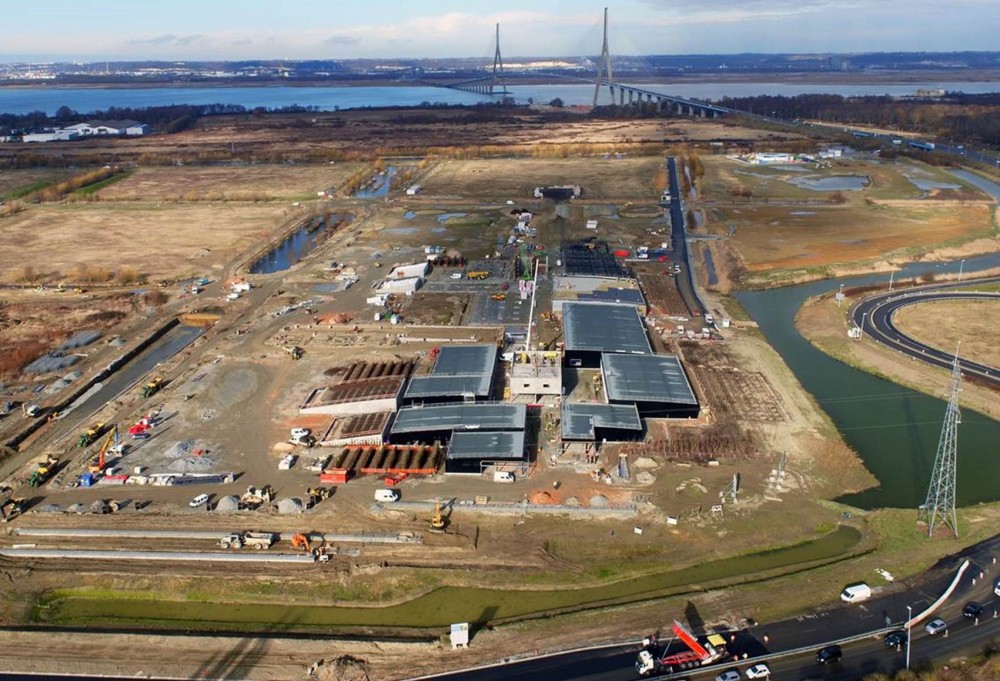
[(287, 462), (936, 626), (199, 500), (299, 433), (758, 671)]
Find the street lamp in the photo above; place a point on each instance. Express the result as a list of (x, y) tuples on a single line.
[(909, 630), (961, 266), (864, 316)]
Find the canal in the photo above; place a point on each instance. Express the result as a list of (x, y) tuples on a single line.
[(895, 430), (296, 245)]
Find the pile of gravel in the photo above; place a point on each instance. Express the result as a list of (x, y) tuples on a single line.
[(228, 504), (290, 506)]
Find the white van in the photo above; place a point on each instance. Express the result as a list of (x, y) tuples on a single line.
[(387, 496), (856, 593), (503, 476)]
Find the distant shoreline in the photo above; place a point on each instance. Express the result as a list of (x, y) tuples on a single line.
[(808, 77)]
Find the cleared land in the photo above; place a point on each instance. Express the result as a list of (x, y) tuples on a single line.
[(770, 237), (517, 178), (160, 241), (213, 183), (943, 324)]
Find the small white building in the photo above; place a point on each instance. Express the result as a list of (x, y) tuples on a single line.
[(405, 285), (591, 224), (59, 135), (413, 190), (769, 157), (406, 271)]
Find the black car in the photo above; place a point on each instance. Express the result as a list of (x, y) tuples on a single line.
[(895, 639), (829, 654), (972, 610)]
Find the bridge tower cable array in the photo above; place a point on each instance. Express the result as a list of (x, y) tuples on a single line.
[(604, 65), (498, 78), (939, 508)]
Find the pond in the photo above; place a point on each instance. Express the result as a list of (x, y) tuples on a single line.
[(841, 183)]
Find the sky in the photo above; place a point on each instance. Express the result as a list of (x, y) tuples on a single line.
[(98, 30)]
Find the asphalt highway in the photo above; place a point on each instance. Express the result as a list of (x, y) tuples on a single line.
[(874, 316), (810, 632), (685, 281)]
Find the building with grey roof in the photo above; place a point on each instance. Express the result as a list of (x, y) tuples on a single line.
[(461, 373), (593, 329), (595, 422), (437, 422), (655, 384), (621, 290), (471, 451)]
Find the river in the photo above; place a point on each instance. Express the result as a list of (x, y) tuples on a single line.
[(19, 100), (894, 429)]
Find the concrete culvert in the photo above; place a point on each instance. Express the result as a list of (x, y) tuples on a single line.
[(290, 506), (77, 508), (598, 501), (572, 501), (99, 507), (229, 504)]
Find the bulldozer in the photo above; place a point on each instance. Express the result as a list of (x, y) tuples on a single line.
[(254, 497), (90, 435), (12, 507), (438, 521), (318, 494), (294, 351), (152, 387)]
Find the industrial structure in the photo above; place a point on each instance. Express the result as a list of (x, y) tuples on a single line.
[(939, 508)]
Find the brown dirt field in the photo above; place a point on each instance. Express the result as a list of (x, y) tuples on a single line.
[(824, 325), (780, 237), (517, 178), (943, 324), (212, 183), (161, 242)]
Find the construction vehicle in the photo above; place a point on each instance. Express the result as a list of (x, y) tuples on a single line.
[(252, 540), (90, 435), (30, 411), (43, 472), (294, 351), (11, 507), (438, 521), (254, 497), (301, 541), (477, 275), (699, 653), (152, 387), (302, 436), (97, 465), (499, 296), (318, 494)]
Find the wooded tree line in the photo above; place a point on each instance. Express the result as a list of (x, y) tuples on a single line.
[(973, 118)]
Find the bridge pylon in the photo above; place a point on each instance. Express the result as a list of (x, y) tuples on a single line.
[(604, 65), (498, 78)]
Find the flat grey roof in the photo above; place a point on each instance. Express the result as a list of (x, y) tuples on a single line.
[(604, 327), (459, 369), (580, 419), (646, 378), (459, 417), (486, 445)]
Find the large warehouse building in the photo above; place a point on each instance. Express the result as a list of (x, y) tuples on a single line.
[(590, 423), (477, 435), (655, 384), (591, 330), (462, 373)]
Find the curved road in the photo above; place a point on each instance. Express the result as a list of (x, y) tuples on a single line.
[(874, 317)]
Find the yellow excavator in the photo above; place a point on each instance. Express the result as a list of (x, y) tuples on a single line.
[(438, 521)]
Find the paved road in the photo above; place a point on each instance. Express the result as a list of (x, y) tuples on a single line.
[(814, 630), (685, 282), (874, 316)]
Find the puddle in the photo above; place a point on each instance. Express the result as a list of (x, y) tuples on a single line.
[(842, 183), (400, 230), (928, 185), (444, 217), (802, 212), (409, 215)]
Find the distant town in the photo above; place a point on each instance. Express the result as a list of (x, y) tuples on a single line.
[(410, 70)]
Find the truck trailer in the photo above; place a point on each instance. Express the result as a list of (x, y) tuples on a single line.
[(253, 540), (698, 654)]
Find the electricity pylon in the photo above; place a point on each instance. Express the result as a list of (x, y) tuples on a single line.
[(939, 508)]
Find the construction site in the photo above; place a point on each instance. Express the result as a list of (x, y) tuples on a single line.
[(478, 402)]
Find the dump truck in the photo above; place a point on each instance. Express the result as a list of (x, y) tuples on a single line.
[(42, 472), (152, 387), (90, 435), (252, 540), (699, 652)]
